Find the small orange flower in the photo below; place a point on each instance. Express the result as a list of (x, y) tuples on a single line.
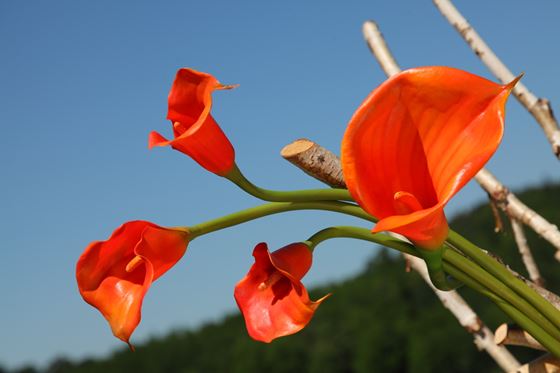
[(114, 275), (271, 297), (416, 141), (196, 133)]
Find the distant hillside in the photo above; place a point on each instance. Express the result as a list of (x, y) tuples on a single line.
[(382, 320)]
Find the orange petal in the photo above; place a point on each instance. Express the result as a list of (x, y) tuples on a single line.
[(416, 141), (271, 297), (195, 132), (114, 275)]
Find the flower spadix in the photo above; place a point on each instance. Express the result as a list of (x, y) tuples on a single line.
[(114, 275), (415, 141), (195, 131), (271, 297)]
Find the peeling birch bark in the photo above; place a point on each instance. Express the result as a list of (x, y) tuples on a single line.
[(516, 209)]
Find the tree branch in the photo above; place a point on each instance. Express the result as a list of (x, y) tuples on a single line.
[(320, 164), (538, 107), (516, 209), (525, 251), (483, 337)]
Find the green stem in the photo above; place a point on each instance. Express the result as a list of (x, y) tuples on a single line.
[(434, 263), (273, 208), (541, 335), (332, 194), (361, 234), (467, 272), (505, 276), (498, 288)]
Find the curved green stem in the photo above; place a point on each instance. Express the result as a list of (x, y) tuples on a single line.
[(361, 234), (433, 259), (467, 272), (331, 194), (434, 263), (540, 334), (273, 208), (498, 288), (505, 276)]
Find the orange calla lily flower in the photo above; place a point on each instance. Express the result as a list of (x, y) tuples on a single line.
[(114, 275), (416, 141), (271, 297), (195, 132)]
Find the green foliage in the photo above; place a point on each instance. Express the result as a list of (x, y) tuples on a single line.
[(383, 320)]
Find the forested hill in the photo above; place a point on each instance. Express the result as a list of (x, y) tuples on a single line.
[(382, 320)]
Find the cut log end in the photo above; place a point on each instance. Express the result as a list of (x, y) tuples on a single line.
[(500, 334), (296, 148)]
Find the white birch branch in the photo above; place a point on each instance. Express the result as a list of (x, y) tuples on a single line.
[(538, 107), (525, 251), (506, 200), (483, 337), (516, 209)]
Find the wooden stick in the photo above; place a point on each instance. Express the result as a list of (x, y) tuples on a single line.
[(525, 251), (483, 337), (516, 209), (379, 48), (515, 336), (506, 200), (305, 161), (498, 223), (544, 364), (538, 107), (319, 164)]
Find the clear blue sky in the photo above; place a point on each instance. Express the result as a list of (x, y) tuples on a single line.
[(82, 83)]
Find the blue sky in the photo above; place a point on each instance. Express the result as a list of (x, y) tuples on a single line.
[(83, 83)]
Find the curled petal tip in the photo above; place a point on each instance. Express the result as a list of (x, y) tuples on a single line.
[(155, 139), (226, 86), (512, 84)]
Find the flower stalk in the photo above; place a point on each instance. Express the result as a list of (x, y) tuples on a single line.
[(334, 194), (253, 213)]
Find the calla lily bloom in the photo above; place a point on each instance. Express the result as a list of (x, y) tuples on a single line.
[(114, 275), (271, 297), (195, 132), (416, 141)]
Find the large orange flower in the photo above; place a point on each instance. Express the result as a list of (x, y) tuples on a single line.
[(416, 141), (114, 275), (195, 132), (271, 297)]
